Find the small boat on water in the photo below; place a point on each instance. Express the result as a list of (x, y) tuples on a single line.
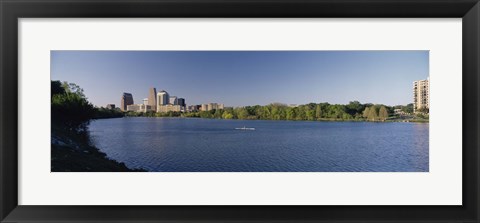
[(245, 128)]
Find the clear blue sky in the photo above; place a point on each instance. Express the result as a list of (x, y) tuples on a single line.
[(238, 78)]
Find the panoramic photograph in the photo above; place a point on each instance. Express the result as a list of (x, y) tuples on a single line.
[(240, 111)]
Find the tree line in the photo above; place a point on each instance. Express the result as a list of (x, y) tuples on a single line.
[(353, 111), (71, 107), (308, 112)]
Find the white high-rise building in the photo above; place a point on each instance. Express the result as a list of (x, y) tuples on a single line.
[(146, 106), (162, 98), (421, 94)]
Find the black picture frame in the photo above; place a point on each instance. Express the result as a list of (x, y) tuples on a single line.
[(12, 10)]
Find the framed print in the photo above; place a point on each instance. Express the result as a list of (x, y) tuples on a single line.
[(239, 111)]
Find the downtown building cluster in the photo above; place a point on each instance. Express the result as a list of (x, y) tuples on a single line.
[(161, 102)]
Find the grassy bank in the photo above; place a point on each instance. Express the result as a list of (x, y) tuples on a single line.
[(73, 152)]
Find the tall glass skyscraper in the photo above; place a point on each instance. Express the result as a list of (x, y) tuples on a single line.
[(181, 102), (127, 99)]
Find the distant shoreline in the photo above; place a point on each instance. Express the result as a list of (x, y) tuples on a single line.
[(353, 111), (322, 120)]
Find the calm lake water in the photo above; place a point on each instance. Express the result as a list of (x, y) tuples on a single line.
[(211, 145)]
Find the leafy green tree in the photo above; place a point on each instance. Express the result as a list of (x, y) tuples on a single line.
[(408, 109), (266, 113), (275, 113), (69, 107), (135, 114), (422, 115), (309, 113), (108, 113), (242, 113), (291, 114), (354, 107), (205, 114), (336, 111), (73, 88), (227, 115), (346, 116), (318, 111), (218, 113), (250, 110), (57, 88), (300, 113)]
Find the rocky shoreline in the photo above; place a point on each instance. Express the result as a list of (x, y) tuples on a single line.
[(72, 152)]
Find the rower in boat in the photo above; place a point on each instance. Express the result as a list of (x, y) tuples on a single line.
[(245, 128)]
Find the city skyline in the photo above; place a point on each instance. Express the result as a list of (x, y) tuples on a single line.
[(240, 78), (161, 102)]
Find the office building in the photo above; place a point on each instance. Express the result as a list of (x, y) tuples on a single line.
[(169, 108), (211, 106), (421, 95), (173, 100), (181, 102), (110, 106), (162, 98), (147, 108), (127, 99), (139, 108), (152, 98), (134, 108), (192, 108)]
